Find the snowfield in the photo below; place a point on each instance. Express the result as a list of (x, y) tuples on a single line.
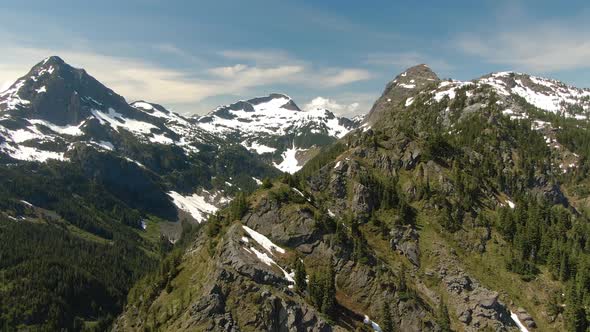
[(266, 119), (290, 164), (271, 249), (196, 205), (263, 241)]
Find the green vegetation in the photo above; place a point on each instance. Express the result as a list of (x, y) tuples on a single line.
[(322, 289), (300, 275), (69, 260)]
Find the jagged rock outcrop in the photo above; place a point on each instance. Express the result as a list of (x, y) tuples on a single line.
[(476, 306), (406, 241)]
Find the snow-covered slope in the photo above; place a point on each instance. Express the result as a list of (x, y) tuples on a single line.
[(546, 94), (58, 112), (520, 97), (275, 127), (55, 106)]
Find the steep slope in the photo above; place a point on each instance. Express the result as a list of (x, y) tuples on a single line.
[(58, 104), (404, 86), (276, 129), (93, 191), (444, 211), (56, 110)]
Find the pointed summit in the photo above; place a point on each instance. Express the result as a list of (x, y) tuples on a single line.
[(421, 71), (57, 92), (53, 60), (405, 85)]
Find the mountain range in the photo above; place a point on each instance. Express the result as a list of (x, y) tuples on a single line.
[(450, 205)]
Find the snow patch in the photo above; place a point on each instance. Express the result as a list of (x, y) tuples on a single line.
[(117, 120), (407, 86), (520, 325), (258, 148), (263, 241), (63, 130), (195, 205), (374, 325), (26, 203), (510, 204), (290, 164), (270, 247)]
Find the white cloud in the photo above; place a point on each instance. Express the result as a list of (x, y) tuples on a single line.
[(295, 70), (342, 77), (5, 85), (261, 57), (332, 105), (130, 77), (185, 87), (243, 75), (544, 47)]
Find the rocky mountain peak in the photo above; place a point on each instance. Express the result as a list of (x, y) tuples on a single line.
[(57, 92), (53, 60), (421, 71), (55, 67), (405, 85)]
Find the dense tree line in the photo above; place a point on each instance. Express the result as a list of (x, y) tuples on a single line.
[(52, 279), (72, 257)]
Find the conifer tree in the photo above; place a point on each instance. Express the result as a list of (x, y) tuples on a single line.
[(443, 320), (300, 275), (387, 322)]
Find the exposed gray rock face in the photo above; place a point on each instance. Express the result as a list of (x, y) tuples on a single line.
[(290, 317), (338, 180), (362, 202), (240, 274), (411, 156), (405, 240), (290, 229), (525, 318), (404, 86), (210, 309), (550, 191), (476, 306)]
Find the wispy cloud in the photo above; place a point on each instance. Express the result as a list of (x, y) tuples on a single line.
[(170, 49), (543, 47), (260, 57), (130, 77), (136, 78), (295, 70), (244, 75), (337, 77)]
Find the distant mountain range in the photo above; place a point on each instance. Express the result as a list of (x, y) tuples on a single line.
[(55, 106), (276, 129), (450, 205)]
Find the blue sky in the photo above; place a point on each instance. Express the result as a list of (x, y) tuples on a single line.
[(191, 56)]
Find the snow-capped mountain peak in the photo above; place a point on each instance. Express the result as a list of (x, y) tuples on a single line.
[(55, 106), (276, 128)]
